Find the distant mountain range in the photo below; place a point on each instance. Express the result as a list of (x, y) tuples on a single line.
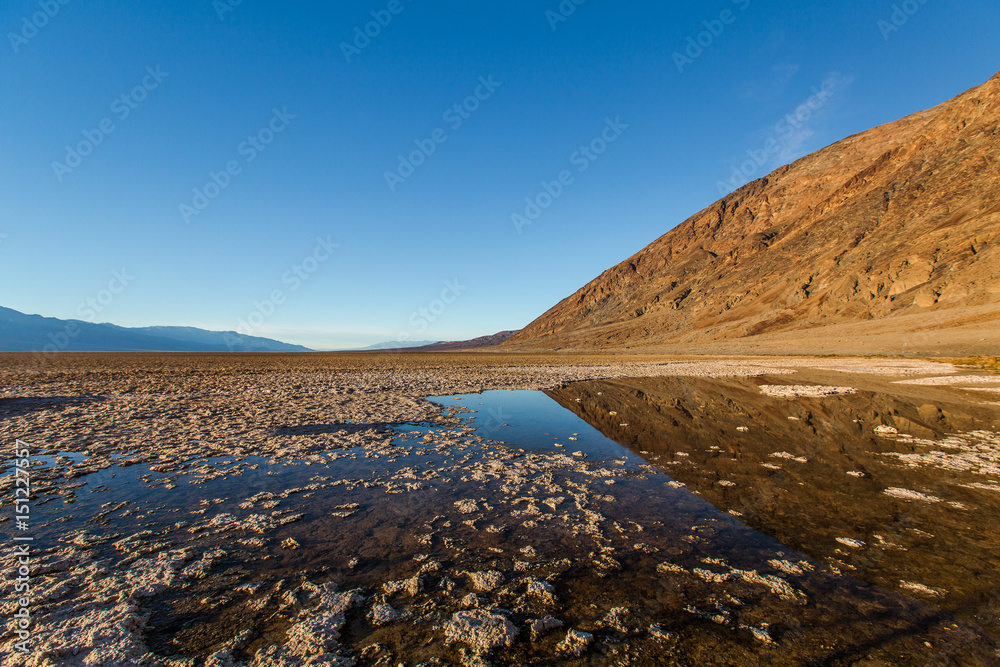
[(442, 346), (885, 242), (396, 345), (33, 333), (474, 344)]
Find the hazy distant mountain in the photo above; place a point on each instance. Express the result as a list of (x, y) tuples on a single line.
[(887, 241), (474, 344), (442, 346), (396, 345), (33, 333)]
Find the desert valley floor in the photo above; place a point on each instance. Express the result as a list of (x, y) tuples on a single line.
[(506, 509)]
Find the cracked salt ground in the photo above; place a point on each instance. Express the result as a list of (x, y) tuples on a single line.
[(441, 545)]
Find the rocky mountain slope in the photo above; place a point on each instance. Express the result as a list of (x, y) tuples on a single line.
[(886, 241)]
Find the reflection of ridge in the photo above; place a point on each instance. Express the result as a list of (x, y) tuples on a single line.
[(812, 473)]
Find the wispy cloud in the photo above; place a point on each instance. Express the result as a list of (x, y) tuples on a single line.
[(771, 87), (792, 136), (810, 118)]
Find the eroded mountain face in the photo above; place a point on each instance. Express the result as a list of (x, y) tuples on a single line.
[(895, 228)]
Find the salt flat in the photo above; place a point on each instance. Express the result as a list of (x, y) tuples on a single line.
[(291, 509)]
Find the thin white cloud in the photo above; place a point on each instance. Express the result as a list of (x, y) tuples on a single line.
[(792, 136), (811, 116), (765, 91)]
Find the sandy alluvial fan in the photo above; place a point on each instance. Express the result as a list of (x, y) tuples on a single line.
[(882, 241)]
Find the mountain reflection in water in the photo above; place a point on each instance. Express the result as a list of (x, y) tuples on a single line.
[(914, 511)]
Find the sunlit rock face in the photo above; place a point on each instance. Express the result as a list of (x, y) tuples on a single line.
[(884, 242)]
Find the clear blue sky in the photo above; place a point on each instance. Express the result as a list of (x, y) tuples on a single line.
[(218, 82)]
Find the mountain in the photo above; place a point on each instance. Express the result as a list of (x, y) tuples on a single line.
[(474, 344), (884, 242), (396, 345), (442, 346), (34, 333)]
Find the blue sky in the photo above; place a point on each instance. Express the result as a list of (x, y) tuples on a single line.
[(229, 159)]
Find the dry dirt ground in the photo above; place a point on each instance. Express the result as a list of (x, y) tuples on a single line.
[(316, 509)]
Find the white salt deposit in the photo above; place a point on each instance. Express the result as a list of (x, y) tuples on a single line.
[(907, 494), (953, 380), (804, 391), (854, 544), (922, 589)]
